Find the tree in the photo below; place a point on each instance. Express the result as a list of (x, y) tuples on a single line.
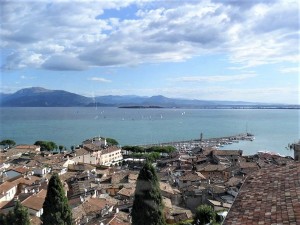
[(2, 219), (61, 147), (46, 145), (204, 214), (56, 208), (19, 215), (8, 142), (147, 207), (111, 141)]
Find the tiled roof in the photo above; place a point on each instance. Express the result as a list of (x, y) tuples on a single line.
[(94, 205), (129, 192), (110, 150), (19, 169), (211, 167), (191, 177), (166, 187), (6, 186), (244, 165), (34, 202), (81, 151), (269, 196), (29, 147), (227, 152)]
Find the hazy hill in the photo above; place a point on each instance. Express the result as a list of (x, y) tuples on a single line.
[(41, 97)]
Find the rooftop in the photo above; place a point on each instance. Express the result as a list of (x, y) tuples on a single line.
[(269, 196)]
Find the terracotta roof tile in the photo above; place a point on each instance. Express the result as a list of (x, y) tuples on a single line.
[(269, 196)]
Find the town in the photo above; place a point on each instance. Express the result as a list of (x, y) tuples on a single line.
[(99, 178)]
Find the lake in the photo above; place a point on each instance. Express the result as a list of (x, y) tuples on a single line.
[(274, 129)]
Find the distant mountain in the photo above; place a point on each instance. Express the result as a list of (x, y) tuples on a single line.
[(41, 97)]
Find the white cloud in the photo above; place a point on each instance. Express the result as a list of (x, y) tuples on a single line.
[(99, 79), (38, 31), (291, 70), (214, 78)]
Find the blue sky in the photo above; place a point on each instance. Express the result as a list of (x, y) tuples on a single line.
[(209, 49)]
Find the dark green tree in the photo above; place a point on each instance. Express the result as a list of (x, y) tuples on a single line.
[(204, 214), (56, 208), (46, 145), (2, 219), (111, 141), (8, 142), (61, 147), (21, 215), (148, 206), (10, 218)]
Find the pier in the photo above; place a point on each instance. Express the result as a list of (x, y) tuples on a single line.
[(206, 143)]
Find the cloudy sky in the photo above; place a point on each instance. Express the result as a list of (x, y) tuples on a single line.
[(206, 49)]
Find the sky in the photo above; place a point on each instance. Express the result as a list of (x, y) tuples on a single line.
[(244, 50)]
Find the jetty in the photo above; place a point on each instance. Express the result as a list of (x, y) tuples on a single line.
[(216, 143)]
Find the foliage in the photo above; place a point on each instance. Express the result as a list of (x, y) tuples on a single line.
[(159, 149), (134, 149), (148, 206), (111, 141), (46, 145), (152, 156), (8, 142), (204, 214), (3, 219), (61, 147), (16, 217), (186, 222), (56, 208)]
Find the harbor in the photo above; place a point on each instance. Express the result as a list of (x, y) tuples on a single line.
[(215, 143)]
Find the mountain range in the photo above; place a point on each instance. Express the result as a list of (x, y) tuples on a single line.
[(41, 97)]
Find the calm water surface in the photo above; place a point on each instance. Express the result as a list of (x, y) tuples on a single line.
[(273, 129)]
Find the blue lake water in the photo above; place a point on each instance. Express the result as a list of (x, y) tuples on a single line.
[(274, 129)]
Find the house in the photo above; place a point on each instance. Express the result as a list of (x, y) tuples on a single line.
[(268, 196), (214, 173), (219, 206), (111, 156), (126, 193), (231, 156), (97, 155), (18, 150), (40, 171), (7, 191), (190, 178), (35, 202), (248, 167)]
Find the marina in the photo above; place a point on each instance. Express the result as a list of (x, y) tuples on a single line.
[(215, 143)]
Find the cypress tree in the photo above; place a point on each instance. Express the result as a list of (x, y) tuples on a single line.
[(147, 207), (2, 219), (18, 216), (21, 214), (56, 208)]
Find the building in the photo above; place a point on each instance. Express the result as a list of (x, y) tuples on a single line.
[(268, 196), (97, 153), (296, 147)]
